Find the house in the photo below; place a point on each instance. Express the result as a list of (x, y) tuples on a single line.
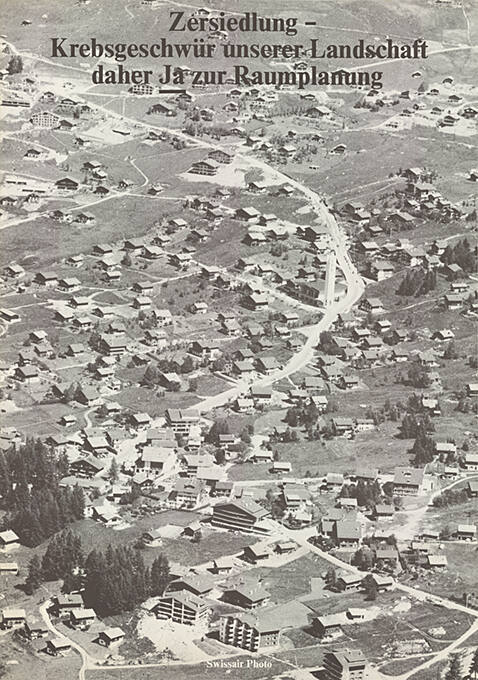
[(62, 605), (12, 617), (87, 396), (347, 533), (258, 552), (407, 481), (453, 301), (186, 493), (436, 561), (348, 582), (35, 628), (27, 374), (7, 568), (181, 421), (381, 270), (372, 305), (86, 467), (248, 595), (110, 636), (105, 514), (267, 365), (382, 583), (328, 627), (247, 214), (465, 532), (182, 607), (207, 166), (57, 646), (48, 279), (155, 460), (14, 271), (152, 538), (343, 427), (472, 389), (383, 511), (200, 585), (344, 664), (67, 184), (9, 540), (82, 618)]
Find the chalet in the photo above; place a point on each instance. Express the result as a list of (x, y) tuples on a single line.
[(181, 260), (110, 636), (12, 617), (58, 646), (82, 618), (381, 270), (247, 595), (267, 365), (372, 305), (465, 532), (261, 395), (62, 605), (259, 552), (471, 461), (382, 583), (346, 533), (27, 374), (207, 166), (86, 467), (472, 389), (112, 345), (436, 561), (383, 511), (472, 488), (328, 627), (35, 628), (221, 156), (9, 540), (47, 279), (87, 396), (142, 302), (348, 582), (343, 427), (407, 481), (453, 301), (67, 184), (348, 382), (247, 214)]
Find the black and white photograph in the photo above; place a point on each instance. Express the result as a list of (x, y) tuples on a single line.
[(238, 340)]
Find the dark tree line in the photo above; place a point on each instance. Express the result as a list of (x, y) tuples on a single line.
[(35, 505), (118, 580), (366, 493), (460, 254), (112, 581), (417, 282)]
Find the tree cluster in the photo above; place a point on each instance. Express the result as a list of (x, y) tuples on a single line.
[(460, 254), (117, 580), (417, 281), (36, 507)]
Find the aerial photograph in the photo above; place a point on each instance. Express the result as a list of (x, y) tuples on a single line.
[(238, 340)]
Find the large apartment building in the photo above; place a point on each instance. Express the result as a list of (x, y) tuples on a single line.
[(240, 515), (181, 421), (182, 607), (250, 631), (344, 664)]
